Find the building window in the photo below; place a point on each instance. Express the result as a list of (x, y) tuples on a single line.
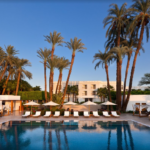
[(93, 92), (85, 92), (93, 86), (85, 86)]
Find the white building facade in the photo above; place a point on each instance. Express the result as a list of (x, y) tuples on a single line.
[(87, 89)]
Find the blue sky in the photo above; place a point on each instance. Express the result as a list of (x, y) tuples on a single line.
[(23, 25)]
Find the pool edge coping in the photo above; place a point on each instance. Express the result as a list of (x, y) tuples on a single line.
[(84, 120)]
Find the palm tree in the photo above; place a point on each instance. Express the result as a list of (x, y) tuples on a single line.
[(55, 39), (68, 91), (11, 72), (7, 58), (74, 91), (44, 55), (104, 59), (52, 64), (120, 53), (76, 46), (20, 64), (63, 64), (141, 19), (117, 18)]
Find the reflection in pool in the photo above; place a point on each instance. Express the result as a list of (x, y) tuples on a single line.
[(74, 135)]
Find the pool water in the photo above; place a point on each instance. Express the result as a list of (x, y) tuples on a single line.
[(74, 135)]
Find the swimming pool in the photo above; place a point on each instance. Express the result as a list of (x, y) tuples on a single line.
[(74, 135)]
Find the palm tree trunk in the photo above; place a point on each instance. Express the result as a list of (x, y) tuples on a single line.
[(72, 61), (52, 54), (125, 80), (45, 81), (18, 83), (117, 76), (57, 84), (60, 82), (133, 66), (119, 87), (51, 85), (108, 85), (6, 83), (3, 72)]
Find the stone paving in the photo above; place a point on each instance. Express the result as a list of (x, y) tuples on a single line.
[(18, 117)]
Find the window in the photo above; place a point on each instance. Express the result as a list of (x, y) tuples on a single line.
[(94, 86), (93, 92), (85, 92), (85, 86)]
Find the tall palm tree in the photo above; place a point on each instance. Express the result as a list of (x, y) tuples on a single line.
[(141, 19), (63, 64), (55, 39), (117, 18), (76, 46), (104, 59), (11, 72), (52, 64), (44, 55), (20, 64), (120, 53), (7, 58)]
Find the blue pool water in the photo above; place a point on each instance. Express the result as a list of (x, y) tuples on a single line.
[(74, 135)]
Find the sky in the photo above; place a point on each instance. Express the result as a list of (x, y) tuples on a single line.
[(24, 23)]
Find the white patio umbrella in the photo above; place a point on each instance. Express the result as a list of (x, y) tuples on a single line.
[(88, 103), (108, 103), (31, 104), (70, 103), (51, 103)]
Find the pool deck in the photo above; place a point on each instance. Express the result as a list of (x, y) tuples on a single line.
[(17, 116)]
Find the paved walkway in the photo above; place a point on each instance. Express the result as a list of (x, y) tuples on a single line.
[(17, 116)]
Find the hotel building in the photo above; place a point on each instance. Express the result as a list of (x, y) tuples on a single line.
[(87, 89)]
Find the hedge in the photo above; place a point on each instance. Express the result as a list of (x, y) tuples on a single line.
[(32, 95)]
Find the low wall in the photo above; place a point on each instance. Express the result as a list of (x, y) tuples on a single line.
[(138, 99)]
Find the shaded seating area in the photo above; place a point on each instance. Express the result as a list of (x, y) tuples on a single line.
[(140, 109)]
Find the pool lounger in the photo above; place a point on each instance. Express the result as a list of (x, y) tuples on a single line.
[(105, 114), (114, 114), (27, 114), (75, 114), (47, 114), (86, 114), (95, 114), (37, 114), (57, 114), (66, 114)]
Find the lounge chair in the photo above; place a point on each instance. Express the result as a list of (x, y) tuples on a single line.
[(57, 114), (37, 114), (66, 114), (76, 114), (27, 114), (86, 114), (47, 114), (95, 114), (114, 114), (105, 114)]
